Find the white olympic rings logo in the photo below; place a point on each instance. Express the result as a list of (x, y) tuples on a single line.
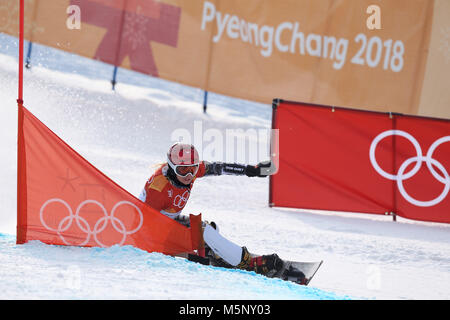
[(100, 225), (419, 158), (180, 201)]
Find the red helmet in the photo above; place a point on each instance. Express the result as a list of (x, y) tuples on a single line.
[(183, 159)]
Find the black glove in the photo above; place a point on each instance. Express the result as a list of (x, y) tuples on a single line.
[(262, 169)]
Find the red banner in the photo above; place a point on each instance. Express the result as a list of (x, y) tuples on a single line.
[(350, 160), (64, 200)]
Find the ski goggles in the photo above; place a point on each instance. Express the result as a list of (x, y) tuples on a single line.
[(184, 170)]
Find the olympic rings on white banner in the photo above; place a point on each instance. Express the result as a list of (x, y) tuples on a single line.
[(84, 226), (419, 158)]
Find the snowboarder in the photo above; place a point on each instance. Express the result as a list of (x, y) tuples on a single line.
[(168, 191)]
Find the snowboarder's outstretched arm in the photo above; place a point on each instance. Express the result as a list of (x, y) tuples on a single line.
[(262, 169)]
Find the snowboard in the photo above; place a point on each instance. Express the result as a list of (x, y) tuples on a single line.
[(293, 271), (298, 272), (227, 254)]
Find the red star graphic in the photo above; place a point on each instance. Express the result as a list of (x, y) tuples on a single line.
[(68, 180), (132, 28)]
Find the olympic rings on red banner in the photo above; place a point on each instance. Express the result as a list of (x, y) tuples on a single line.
[(83, 224), (418, 159)]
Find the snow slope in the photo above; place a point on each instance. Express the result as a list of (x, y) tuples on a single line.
[(124, 133)]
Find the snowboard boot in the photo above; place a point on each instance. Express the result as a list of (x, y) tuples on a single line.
[(267, 265)]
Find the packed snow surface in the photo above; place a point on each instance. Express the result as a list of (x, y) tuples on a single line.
[(124, 133)]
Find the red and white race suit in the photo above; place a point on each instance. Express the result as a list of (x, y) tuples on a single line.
[(165, 195)]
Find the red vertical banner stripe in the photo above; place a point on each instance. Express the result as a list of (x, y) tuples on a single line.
[(21, 170), (350, 160), (197, 233), (21, 39)]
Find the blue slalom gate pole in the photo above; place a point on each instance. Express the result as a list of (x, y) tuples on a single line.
[(28, 59), (205, 101), (113, 81)]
